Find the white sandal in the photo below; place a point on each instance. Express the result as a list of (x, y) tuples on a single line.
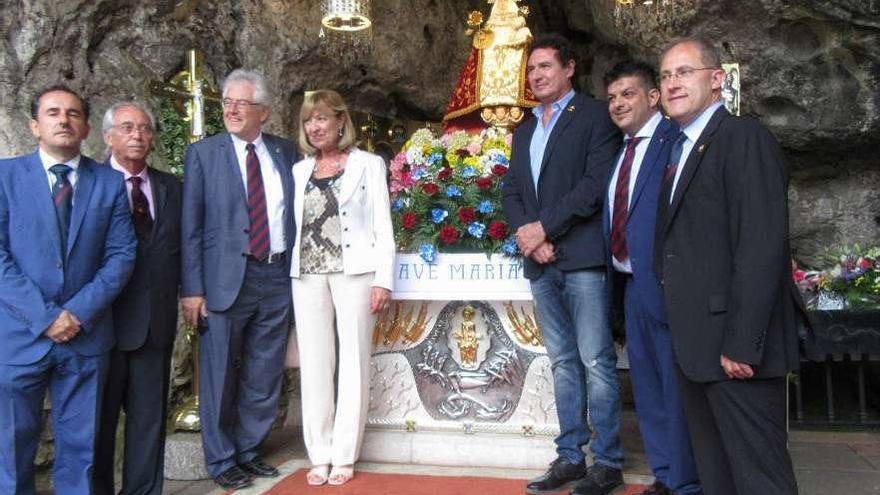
[(341, 475), (318, 475)]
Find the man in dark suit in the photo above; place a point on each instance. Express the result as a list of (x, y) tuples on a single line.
[(66, 250), (630, 220), (238, 228), (722, 256), (144, 314), (552, 196)]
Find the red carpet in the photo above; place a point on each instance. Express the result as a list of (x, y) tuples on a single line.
[(407, 484)]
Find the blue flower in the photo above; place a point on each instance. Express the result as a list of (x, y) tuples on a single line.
[(509, 247), (438, 215), (485, 207), (397, 205), (418, 173), (453, 192), (428, 252), (434, 159), (468, 172), (476, 229)]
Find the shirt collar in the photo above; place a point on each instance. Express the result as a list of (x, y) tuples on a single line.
[(695, 128), (240, 143), (49, 161), (557, 105), (145, 177), (648, 129)]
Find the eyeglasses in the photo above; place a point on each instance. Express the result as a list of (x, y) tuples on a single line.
[(229, 102), (681, 74), (129, 128)]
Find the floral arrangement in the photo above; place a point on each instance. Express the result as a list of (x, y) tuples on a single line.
[(853, 273), (446, 193)]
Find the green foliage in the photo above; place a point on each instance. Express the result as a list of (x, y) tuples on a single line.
[(174, 133)]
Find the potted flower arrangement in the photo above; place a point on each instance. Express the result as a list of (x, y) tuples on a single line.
[(446, 193), (852, 280)]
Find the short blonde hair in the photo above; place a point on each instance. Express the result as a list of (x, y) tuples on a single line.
[(334, 102)]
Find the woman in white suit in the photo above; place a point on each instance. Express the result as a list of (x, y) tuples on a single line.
[(341, 271)]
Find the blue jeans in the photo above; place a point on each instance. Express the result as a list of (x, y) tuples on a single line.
[(572, 310)]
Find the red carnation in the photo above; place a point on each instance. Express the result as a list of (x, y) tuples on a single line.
[(484, 183), (444, 173), (430, 188), (408, 219), (498, 230), (466, 215), (448, 235), (499, 170)]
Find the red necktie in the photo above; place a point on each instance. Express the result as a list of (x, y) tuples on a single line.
[(621, 202), (140, 214), (62, 195), (256, 202)]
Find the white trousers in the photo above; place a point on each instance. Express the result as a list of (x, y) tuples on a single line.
[(334, 426)]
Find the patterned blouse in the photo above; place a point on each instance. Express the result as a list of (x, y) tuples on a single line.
[(321, 245)]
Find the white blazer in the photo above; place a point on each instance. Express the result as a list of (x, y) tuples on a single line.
[(364, 215)]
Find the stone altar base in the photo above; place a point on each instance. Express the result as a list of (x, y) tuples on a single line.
[(442, 448), (184, 459)]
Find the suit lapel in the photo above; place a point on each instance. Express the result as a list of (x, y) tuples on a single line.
[(693, 161), (37, 181), (650, 161), (280, 165), (82, 194), (160, 194), (233, 170), (566, 116), (354, 168)]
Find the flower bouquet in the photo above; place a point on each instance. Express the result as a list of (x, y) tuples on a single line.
[(446, 193), (854, 276)]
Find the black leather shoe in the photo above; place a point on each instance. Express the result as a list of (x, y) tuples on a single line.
[(600, 480), (233, 479), (656, 488), (258, 467), (561, 475)]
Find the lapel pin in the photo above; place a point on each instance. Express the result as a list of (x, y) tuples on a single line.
[(570, 108), (277, 150), (701, 148)]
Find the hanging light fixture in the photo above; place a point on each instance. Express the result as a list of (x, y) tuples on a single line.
[(346, 29), (635, 15)]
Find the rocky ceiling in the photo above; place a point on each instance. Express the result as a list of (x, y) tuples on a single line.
[(810, 71)]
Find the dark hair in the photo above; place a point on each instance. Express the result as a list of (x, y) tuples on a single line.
[(564, 52), (633, 68), (709, 54), (35, 101)]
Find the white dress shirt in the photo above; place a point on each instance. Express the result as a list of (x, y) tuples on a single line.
[(645, 133), (145, 184), (49, 162), (271, 185)]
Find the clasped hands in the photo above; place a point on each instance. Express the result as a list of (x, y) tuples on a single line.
[(65, 327), (532, 241)]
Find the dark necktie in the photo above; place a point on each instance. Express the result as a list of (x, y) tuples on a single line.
[(140, 210), (256, 202), (62, 195), (672, 168), (621, 202)]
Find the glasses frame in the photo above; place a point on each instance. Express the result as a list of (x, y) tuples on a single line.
[(682, 74)]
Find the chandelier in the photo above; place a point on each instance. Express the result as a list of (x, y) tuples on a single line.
[(640, 15), (346, 29)]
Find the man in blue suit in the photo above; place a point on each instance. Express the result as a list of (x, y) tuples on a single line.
[(67, 248), (630, 221), (553, 196), (237, 231)]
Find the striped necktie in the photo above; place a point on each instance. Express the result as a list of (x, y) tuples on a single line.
[(256, 203), (62, 196), (621, 202)]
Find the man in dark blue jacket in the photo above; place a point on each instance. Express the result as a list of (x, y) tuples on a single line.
[(553, 197)]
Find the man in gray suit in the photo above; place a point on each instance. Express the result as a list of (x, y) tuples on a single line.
[(238, 228)]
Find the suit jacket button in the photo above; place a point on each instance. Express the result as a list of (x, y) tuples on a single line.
[(59, 265), (348, 245), (345, 229)]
